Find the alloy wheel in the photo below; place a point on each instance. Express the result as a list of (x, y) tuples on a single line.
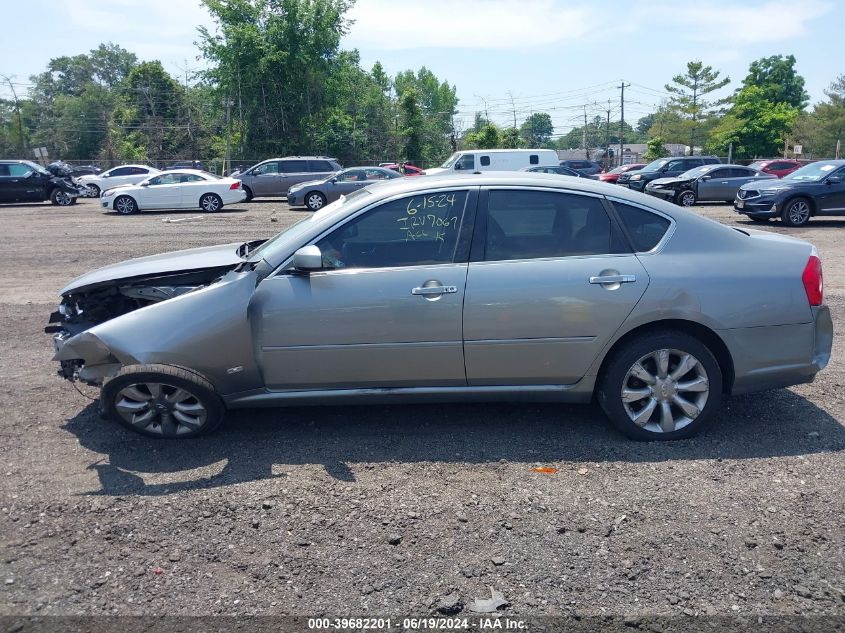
[(687, 199), (124, 205), (799, 212), (63, 198), (160, 408), (210, 203), (665, 390)]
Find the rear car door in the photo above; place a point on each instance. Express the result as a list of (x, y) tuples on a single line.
[(192, 188), (265, 179), (551, 278), (319, 168), (385, 312), (293, 171)]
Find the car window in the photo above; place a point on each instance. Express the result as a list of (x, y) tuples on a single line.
[(138, 171), (466, 162), (16, 170), (266, 168), (293, 166), (4, 169), (535, 224), (720, 173), (412, 231), (165, 179), (120, 171), (190, 178), (533, 159), (678, 165), (646, 229), (485, 161), (740, 172), (319, 165), (378, 174), (351, 175)]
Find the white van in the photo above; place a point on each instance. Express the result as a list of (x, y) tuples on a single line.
[(472, 160)]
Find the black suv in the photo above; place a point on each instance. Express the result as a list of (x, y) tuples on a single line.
[(25, 181), (814, 190), (663, 168)]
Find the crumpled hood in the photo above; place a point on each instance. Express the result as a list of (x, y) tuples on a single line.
[(173, 262), (308, 183), (666, 181)]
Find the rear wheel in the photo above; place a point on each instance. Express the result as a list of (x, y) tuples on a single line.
[(315, 201), (61, 198), (796, 212), (661, 386), (685, 198), (125, 205), (162, 401), (211, 202)]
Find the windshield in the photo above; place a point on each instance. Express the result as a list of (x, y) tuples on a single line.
[(655, 165), (696, 172), (36, 168), (210, 176), (289, 238), (451, 160), (812, 172)]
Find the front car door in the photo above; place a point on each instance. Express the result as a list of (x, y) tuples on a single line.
[(162, 192), (18, 181), (831, 199), (346, 182), (551, 278), (386, 309), (714, 185), (265, 179)]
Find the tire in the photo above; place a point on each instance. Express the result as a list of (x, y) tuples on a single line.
[(796, 212), (125, 205), (61, 198), (93, 191), (210, 202), (655, 405), (759, 220), (685, 198), (248, 191), (315, 201), (162, 401)]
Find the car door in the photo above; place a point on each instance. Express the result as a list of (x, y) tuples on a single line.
[(9, 185), (550, 279), (266, 180), (831, 199), (385, 312), (292, 171), (714, 184), (191, 189), (161, 192), (346, 182), (320, 169), (17, 182), (739, 176)]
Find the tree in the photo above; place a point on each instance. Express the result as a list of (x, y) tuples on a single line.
[(820, 130), (755, 125), (510, 138), (777, 77), (645, 123), (536, 131), (484, 135), (412, 125), (655, 149), (689, 93)]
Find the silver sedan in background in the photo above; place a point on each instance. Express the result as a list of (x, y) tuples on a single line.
[(477, 287), (315, 194)]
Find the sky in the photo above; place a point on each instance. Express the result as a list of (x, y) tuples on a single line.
[(552, 56)]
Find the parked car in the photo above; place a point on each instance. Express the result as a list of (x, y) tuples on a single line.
[(25, 181), (275, 176), (613, 174), (663, 168), (708, 183), (315, 194), (85, 170), (817, 189), (482, 160), (586, 167), (185, 164), (560, 170), (410, 170), (123, 175), (176, 189), (779, 167), (493, 286)]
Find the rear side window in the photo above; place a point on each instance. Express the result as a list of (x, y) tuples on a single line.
[(533, 159), (320, 165), (16, 170), (138, 171), (4, 170), (538, 224), (293, 166), (485, 161), (709, 161), (645, 228), (121, 171)]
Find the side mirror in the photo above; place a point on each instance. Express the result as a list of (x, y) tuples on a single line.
[(334, 181), (705, 177), (308, 258), (145, 184), (834, 180)]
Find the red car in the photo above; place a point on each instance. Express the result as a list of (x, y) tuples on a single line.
[(613, 174), (410, 170), (779, 167)]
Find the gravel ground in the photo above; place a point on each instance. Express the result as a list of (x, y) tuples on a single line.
[(397, 510)]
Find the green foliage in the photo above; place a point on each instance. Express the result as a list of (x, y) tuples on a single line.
[(412, 125), (779, 81), (487, 136), (509, 138), (536, 131), (689, 101), (755, 125), (597, 135), (820, 129), (655, 149)]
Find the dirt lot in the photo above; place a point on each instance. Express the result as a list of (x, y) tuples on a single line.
[(397, 510)]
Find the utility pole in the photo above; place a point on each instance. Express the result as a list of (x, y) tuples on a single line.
[(622, 87), (227, 162), (586, 149), (8, 80), (607, 139)]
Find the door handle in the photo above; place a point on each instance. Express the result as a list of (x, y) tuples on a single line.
[(613, 279), (433, 291)]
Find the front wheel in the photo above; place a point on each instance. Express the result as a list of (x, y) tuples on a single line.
[(249, 195), (661, 386), (61, 198), (162, 401), (125, 205), (796, 212), (93, 191), (211, 202), (685, 198), (315, 201)]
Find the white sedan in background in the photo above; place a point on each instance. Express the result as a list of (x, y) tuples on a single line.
[(175, 189), (116, 176)]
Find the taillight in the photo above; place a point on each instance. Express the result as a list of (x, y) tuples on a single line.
[(235, 185), (813, 282)]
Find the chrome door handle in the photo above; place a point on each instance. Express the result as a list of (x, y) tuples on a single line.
[(431, 291), (613, 279)]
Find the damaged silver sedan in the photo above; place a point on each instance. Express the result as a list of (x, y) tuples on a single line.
[(477, 287)]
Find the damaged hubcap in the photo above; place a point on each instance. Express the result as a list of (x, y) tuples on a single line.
[(160, 408)]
